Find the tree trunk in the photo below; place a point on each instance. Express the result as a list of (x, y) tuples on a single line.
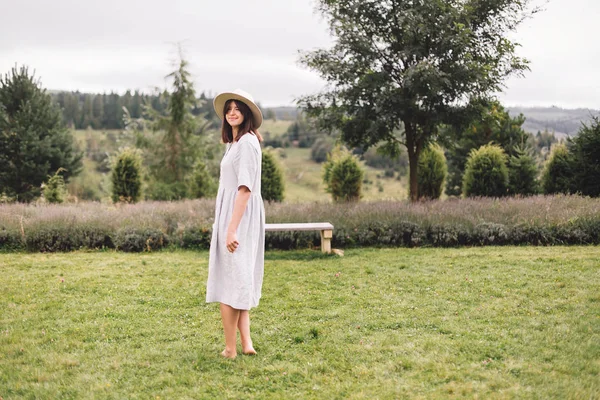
[(413, 160)]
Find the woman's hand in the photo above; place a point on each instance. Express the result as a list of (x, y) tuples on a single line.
[(232, 242)]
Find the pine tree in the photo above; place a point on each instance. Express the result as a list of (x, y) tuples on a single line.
[(343, 176), (522, 174), (432, 172), (127, 176), (33, 139), (272, 188)]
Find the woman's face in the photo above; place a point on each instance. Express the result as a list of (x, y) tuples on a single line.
[(234, 115)]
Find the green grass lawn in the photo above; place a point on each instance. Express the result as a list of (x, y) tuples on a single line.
[(304, 182), (275, 128), (495, 322)]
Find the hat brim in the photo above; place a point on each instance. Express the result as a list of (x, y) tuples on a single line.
[(222, 98)]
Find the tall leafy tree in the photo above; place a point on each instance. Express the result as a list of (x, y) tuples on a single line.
[(34, 142), (399, 69)]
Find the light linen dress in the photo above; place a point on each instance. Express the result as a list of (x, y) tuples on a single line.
[(236, 278)]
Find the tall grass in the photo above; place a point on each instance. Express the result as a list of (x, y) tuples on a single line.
[(534, 220)]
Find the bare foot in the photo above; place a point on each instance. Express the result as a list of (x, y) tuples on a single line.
[(248, 350), (229, 354)]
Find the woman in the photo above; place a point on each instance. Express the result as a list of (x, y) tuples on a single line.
[(236, 261)]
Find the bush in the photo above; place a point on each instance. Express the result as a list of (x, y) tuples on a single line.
[(585, 149), (432, 172), (522, 174), (343, 176), (55, 190), (201, 183), (166, 191), (486, 173), (10, 240), (271, 180), (138, 240), (537, 220), (196, 238), (127, 176), (558, 175), (321, 149), (49, 237)]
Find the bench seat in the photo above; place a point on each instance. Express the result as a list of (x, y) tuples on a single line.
[(325, 228)]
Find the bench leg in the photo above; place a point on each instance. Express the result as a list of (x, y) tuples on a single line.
[(326, 236)]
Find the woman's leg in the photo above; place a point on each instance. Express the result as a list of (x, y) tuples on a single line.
[(230, 317), (244, 327)]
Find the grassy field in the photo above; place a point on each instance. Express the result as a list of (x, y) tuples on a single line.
[(489, 323), (303, 177), (304, 182), (275, 128)]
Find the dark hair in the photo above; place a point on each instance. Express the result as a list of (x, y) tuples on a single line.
[(247, 125)]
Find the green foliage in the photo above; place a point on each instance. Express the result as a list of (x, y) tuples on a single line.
[(432, 172), (55, 190), (585, 149), (378, 157), (271, 180), (139, 239), (33, 140), (302, 132), (522, 174), (159, 190), (489, 123), (202, 184), (486, 172), (321, 149), (171, 134), (399, 69), (538, 220), (127, 176), (343, 176), (559, 171)]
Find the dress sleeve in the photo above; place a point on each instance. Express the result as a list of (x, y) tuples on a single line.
[(246, 164)]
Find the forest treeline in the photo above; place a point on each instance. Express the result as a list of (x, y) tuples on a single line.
[(106, 111)]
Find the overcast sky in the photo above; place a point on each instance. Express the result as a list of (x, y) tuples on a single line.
[(115, 45)]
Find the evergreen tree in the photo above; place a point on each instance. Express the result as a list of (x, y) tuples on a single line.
[(585, 149), (492, 123), (98, 111), (55, 190), (88, 112), (202, 184), (432, 172), (172, 135), (559, 171), (271, 180), (486, 173), (343, 176), (127, 176), (33, 140), (522, 174)]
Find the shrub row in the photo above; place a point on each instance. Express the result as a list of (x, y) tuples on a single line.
[(149, 226)]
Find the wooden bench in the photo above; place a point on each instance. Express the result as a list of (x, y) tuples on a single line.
[(325, 227)]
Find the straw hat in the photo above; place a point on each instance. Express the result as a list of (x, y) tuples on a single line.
[(240, 95)]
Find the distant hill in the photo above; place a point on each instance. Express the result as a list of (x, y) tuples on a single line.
[(563, 122), (282, 113)]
